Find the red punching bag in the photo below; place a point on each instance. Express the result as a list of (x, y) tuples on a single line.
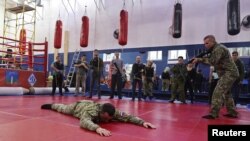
[(123, 34), (58, 35), (233, 17), (177, 21), (22, 43), (84, 37)]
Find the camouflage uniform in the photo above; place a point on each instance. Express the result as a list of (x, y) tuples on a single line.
[(221, 59), (89, 114), (178, 81)]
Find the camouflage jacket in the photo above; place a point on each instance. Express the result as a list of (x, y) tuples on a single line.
[(221, 59), (88, 112), (179, 72)]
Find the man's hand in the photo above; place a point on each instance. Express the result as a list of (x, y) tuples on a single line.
[(195, 60), (103, 132), (149, 125)]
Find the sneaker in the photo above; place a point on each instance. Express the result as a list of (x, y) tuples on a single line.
[(46, 106), (208, 117), (230, 116)]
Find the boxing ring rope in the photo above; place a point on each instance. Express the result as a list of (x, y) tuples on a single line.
[(25, 57)]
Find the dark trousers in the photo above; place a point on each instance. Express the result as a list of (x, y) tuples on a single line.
[(57, 82), (134, 84), (116, 82), (197, 87), (236, 91), (95, 77), (189, 87)]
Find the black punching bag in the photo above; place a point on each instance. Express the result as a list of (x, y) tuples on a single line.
[(177, 21), (233, 17)]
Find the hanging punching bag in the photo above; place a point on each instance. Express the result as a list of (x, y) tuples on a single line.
[(58, 35), (123, 33), (177, 21), (233, 17), (246, 21), (22, 43), (84, 37), (116, 34)]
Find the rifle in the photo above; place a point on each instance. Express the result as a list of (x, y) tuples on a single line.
[(200, 55), (118, 71)]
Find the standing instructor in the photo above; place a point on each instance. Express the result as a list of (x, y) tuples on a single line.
[(221, 59)]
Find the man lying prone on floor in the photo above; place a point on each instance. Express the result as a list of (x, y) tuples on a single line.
[(90, 113)]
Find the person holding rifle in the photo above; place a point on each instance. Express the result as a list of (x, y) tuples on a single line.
[(58, 75), (136, 74), (179, 71), (116, 79), (227, 71), (96, 66), (149, 74), (82, 68)]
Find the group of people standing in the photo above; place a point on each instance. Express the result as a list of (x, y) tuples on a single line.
[(183, 80), (82, 69), (142, 75), (226, 75), (228, 70)]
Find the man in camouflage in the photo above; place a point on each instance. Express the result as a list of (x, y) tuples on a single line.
[(221, 59), (179, 71), (90, 113)]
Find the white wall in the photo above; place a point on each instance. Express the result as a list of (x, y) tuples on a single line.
[(149, 22), (1, 17)]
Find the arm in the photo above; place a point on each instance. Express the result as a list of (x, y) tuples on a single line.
[(202, 60), (87, 123), (53, 67), (85, 65), (124, 117)]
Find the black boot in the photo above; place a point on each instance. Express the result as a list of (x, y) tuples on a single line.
[(46, 106)]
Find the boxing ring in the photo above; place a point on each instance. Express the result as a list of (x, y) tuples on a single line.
[(23, 64)]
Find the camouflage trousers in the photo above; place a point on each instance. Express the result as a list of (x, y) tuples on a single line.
[(65, 109), (222, 92), (178, 87), (148, 88)]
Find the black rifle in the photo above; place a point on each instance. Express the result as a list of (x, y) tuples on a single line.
[(118, 70), (199, 56)]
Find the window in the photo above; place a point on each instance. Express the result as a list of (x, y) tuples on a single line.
[(155, 55), (242, 51), (174, 54), (109, 57)]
